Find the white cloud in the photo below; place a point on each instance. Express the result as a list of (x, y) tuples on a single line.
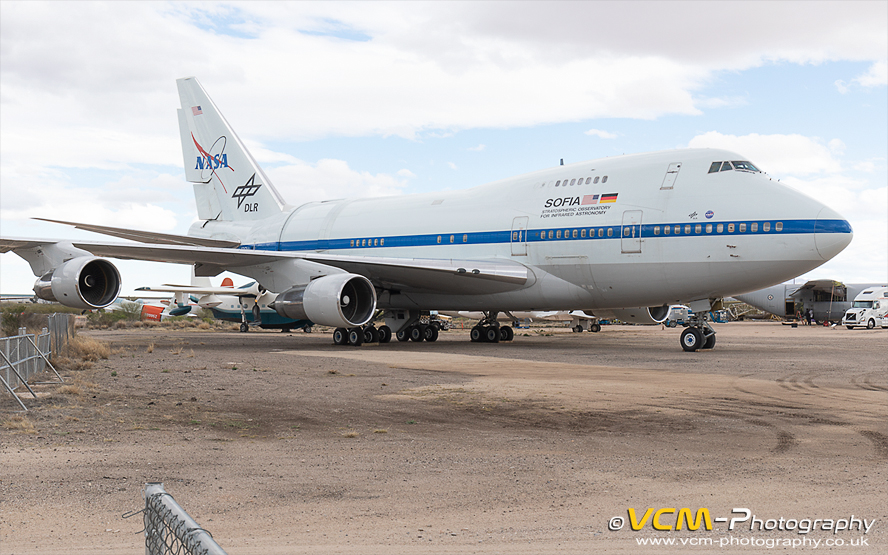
[(875, 77), (478, 148), (406, 173), (776, 154), (451, 165), (303, 182), (601, 134)]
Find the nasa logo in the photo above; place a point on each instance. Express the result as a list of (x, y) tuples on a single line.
[(211, 163), (709, 214)]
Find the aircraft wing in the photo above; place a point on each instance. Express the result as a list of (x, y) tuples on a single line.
[(146, 236), (823, 285), (403, 274)]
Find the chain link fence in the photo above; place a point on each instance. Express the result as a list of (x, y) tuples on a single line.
[(169, 530), (22, 356)]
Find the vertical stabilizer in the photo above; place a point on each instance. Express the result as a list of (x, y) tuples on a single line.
[(228, 183)]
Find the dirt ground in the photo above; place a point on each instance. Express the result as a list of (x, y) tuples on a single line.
[(285, 443)]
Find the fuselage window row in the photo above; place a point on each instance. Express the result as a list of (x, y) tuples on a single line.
[(601, 232), (580, 181)]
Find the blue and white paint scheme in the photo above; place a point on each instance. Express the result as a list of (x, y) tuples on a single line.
[(645, 230)]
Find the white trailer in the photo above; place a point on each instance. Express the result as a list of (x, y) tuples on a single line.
[(869, 309)]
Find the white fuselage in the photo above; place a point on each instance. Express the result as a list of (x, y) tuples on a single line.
[(603, 244)]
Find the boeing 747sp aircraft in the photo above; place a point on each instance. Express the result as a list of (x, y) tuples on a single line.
[(652, 230)]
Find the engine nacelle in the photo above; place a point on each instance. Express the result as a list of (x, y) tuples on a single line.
[(338, 300), (83, 282), (641, 315)]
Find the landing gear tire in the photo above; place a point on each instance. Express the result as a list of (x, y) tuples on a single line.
[(431, 334), (476, 335), (692, 339), (307, 329), (578, 328), (340, 336), (356, 337), (492, 335), (371, 334), (403, 335), (709, 341), (506, 333), (595, 328), (417, 333), (870, 324), (244, 327), (385, 334)]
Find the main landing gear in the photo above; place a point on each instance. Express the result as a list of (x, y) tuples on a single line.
[(488, 330), (698, 334), (359, 335)]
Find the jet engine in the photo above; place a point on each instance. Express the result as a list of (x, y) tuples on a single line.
[(338, 300), (83, 282), (640, 315)]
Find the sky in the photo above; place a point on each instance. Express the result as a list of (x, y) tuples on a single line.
[(372, 98)]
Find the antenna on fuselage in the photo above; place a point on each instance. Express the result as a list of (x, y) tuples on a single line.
[(562, 161)]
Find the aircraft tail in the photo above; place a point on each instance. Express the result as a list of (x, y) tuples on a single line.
[(228, 183)]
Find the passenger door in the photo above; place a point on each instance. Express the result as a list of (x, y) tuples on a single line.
[(519, 236), (630, 238)]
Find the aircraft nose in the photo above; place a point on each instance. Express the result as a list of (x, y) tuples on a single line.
[(832, 233)]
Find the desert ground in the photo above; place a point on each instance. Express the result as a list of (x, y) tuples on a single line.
[(284, 443)]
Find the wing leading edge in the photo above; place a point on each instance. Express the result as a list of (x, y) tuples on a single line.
[(403, 274)]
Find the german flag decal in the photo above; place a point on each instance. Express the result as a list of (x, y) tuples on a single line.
[(610, 197)]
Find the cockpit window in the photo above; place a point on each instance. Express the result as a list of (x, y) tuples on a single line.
[(740, 165), (745, 166)]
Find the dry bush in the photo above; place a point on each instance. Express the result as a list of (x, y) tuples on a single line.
[(70, 389), (120, 325), (350, 434), (150, 348), (87, 348), (203, 326), (19, 425)]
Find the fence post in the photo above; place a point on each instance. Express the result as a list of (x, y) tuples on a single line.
[(168, 528)]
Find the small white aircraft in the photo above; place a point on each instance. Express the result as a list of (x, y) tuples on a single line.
[(674, 227), (245, 304), (576, 318)]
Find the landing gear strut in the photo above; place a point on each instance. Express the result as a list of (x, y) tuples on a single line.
[(698, 334), (488, 330)]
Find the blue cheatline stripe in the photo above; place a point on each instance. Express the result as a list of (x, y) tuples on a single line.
[(789, 227)]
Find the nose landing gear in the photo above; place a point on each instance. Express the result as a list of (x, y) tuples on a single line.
[(698, 334)]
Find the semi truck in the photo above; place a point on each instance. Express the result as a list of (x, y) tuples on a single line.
[(869, 309)]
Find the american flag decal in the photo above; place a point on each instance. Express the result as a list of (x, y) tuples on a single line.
[(196, 111)]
